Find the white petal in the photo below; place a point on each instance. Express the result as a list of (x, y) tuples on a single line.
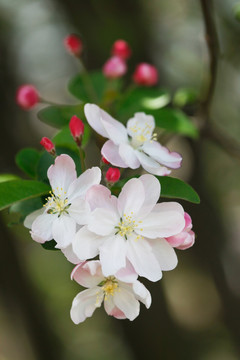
[(113, 255), (164, 254), (140, 254), (141, 124), (152, 193), (103, 221), (131, 198), (63, 230), (31, 217), (127, 303), (127, 274), (116, 131), (93, 116), (111, 152), (88, 274), (70, 255), (79, 210), (42, 226), (166, 220), (150, 165), (162, 155), (99, 196), (62, 173), (81, 185), (142, 294), (85, 303), (112, 310), (128, 155), (86, 244)]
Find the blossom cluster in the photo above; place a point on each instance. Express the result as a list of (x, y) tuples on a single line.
[(112, 239)]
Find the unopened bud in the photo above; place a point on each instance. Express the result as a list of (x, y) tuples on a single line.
[(48, 145), (122, 49), (114, 67), (145, 74), (113, 175), (105, 160), (73, 44), (77, 129), (27, 96)]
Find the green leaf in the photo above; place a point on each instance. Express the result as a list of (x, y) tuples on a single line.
[(26, 207), (142, 99), (175, 121), (50, 245), (80, 90), (8, 177), (65, 139), (59, 116), (17, 190), (27, 160), (185, 96)]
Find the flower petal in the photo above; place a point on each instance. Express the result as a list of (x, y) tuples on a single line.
[(127, 303), (128, 155), (31, 217), (99, 196), (88, 274), (162, 155), (151, 165), (152, 193), (112, 310), (42, 226), (127, 274), (81, 185), (131, 198), (70, 255), (62, 173), (103, 221), (85, 303), (140, 254), (93, 116), (111, 152), (142, 294), (86, 244), (63, 230), (113, 255), (188, 241), (164, 254), (116, 131), (79, 210)]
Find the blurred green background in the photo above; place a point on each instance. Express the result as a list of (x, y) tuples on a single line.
[(195, 311)]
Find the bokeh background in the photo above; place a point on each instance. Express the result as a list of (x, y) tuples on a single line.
[(195, 311)]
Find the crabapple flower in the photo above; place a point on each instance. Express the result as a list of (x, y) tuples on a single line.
[(145, 75), (132, 146), (66, 207), (186, 238), (48, 145), (73, 44), (113, 175), (130, 228), (120, 293), (27, 96), (114, 67), (122, 49)]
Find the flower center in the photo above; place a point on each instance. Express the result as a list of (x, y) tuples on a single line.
[(57, 203), (141, 134), (109, 287), (127, 225)]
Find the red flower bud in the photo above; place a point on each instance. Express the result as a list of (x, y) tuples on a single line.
[(105, 160), (122, 49), (27, 96), (145, 74), (73, 44), (114, 67), (76, 127), (113, 175), (48, 145)]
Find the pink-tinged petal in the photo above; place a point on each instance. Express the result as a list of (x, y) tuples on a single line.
[(63, 230), (93, 115), (152, 190), (103, 222), (150, 165), (99, 196), (37, 238), (166, 220), (81, 185), (116, 131), (162, 155), (142, 294), (85, 303), (141, 124), (110, 151), (62, 173), (131, 198), (188, 241), (32, 217), (86, 244), (79, 210), (140, 254), (188, 221), (127, 303), (42, 226), (112, 310), (177, 240), (164, 254), (127, 274), (113, 255), (70, 255), (128, 155), (88, 274)]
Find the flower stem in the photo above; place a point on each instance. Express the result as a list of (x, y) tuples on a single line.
[(88, 83)]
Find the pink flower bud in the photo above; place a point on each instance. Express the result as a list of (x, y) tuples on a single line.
[(27, 96), (188, 221), (122, 49), (76, 127), (113, 175), (73, 44), (48, 145), (184, 239), (145, 74), (114, 67), (105, 160)]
